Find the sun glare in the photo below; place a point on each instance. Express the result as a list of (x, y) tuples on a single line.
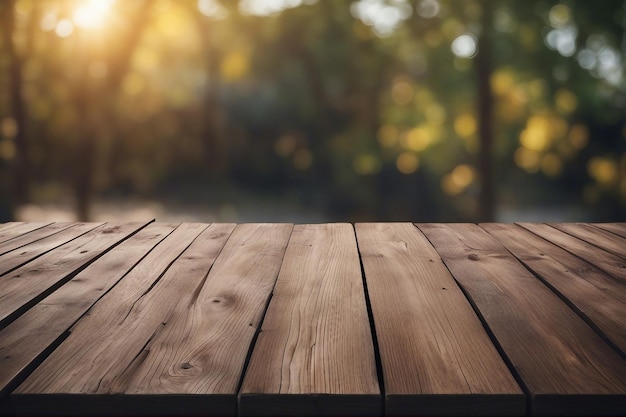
[(90, 14)]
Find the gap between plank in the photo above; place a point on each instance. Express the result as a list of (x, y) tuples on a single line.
[(527, 394), (370, 315), (18, 312), (22, 375), (257, 330), (564, 298), (162, 274), (96, 225), (575, 253)]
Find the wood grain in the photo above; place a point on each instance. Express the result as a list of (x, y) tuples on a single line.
[(436, 356), (155, 337), (25, 286), (314, 355), (10, 261), (27, 338), (615, 228), (13, 229), (566, 367), (204, 351), (35, 235), (160, 319), (598, 297), (608, 262), (596, 236), (83, 360)]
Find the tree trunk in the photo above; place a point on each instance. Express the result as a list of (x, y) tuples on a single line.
[(21, 163), (486, 201)]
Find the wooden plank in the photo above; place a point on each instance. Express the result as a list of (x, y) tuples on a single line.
[(436, 356), (596, 236), (35, 235), (615, 228), (178, 348), (31, 335), (314, 355), (25, 286), (608, 262), (566, 367), (204, 352), (13, 229), (596, 296), (12, 260), (98, 333)]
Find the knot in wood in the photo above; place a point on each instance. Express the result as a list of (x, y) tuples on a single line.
[(223, 300)]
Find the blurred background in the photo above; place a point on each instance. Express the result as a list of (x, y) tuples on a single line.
[(311, 111)]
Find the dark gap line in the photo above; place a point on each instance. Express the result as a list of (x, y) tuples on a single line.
[(51, 249), (62, 281), (575, 253), (370, 315), (564, 298), (584, 240), (614, 233), (23, 234), (568, 302), (34, 241), (257, 330), (507, 361), (29, 368)]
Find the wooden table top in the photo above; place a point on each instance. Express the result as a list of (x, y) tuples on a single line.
[(317, 319)]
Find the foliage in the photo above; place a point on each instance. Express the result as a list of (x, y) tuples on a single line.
[(367, 108)]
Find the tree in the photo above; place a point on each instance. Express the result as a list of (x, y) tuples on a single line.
[(21, 163)]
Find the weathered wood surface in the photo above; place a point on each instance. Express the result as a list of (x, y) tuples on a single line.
[(436, 356), (595, 295), (601, 238), (314, 354), (171, 327), (37, 330), (13, 258), (14, 229), (560, 359), (606, 261), (26, 285), (616, 228), (331, 319)]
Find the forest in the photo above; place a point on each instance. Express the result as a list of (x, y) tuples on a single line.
[(355, 110)]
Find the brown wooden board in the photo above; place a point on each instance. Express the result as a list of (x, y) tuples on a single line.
[(205, 351), (90, 348), (25, 286), (14, 229), (596, 236), (172, 342), (12, 260), (608, 262), (596, 296), (27, 339), (615, 228), (33, 236), (566, 367), (436, 356), (314, 355)]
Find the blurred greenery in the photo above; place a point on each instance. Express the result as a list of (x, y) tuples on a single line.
[(426, 110)]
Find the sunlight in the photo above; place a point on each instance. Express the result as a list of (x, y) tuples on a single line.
[(91, 14), (464, 46)]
